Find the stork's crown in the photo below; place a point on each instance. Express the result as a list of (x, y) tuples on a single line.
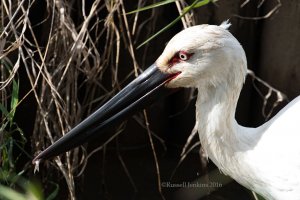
[(206, 55)]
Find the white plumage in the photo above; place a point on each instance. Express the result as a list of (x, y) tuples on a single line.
[(264, 159)]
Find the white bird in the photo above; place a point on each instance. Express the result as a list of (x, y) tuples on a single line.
[(265, 159)]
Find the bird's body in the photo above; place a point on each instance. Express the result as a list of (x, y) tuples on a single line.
[(207, 57), (264, 159)]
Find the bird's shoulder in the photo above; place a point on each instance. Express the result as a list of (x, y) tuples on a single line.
[(286, 121), (280, 136)]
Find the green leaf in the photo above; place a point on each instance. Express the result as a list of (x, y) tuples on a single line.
[(161, 3), (3, 109), (4, 116), (10, 194), (199, 4), (204, 2), (34, 191), (14, 100), (30, 189)]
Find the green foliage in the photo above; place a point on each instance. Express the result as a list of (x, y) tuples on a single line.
[(195, 4), (161, 3), (8, 128), (15, 187), (31, 193), (8, 193), (14, 100), (12, 185), (199, 4), (18, 188)]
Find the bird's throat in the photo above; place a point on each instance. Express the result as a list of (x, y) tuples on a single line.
[(215, 110)]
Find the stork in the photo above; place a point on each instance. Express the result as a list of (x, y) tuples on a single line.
[(265, 159)]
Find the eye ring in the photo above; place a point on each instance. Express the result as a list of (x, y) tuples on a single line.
[(182, 56)]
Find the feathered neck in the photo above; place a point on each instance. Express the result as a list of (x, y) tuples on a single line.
[(217, 127)]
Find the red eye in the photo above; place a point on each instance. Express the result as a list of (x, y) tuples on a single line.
[(179, 56), (182, 56)]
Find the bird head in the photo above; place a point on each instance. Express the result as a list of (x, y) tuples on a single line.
[(201, 56), (204, 56)]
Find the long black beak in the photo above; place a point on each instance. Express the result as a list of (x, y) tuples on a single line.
[(141, 92)]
